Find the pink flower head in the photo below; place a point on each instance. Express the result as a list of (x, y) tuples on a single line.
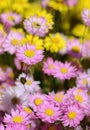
[(49, 66), (17, 117), (36, 25), (86, 49), (71, 3), (48, 113), (10, 17), (86, 16), (72, 116), (29, 54), (12, 41), (36, 100), (74, 48), (65, 71)]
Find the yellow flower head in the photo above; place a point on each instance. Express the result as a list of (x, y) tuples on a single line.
[(33, 40), (55, 42)]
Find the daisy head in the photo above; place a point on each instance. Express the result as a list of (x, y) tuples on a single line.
[(12, 41), (48, 113), (17, 117), (38, 24), (65, 71), (36, 100), (86, 16), (29, 54), (74, 48), (72, 117), (11, 17)]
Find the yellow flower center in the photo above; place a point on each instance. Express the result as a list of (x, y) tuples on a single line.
[(49, 112), (76, 49), (85, 82), (51, 66), (10, 18), (27, 109), (79, 98), (29, 53), (38, 101), (14, 42), (51, 128), (55, 40), (72, 115), (59, 97), (18, 119), (28, 82), (36, 25), (29, 126), (63, 70)]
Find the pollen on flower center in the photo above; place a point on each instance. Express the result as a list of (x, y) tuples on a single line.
[(79, 98), (38, 101), (85, 82), (28, 82), (28, 110), (51, 66), (18, 119), (63, 70), (36, 25), (51, 128), (11, 18), (72, 115), (14, 42), (55, 40), (29, 53), (49, 112), (58, 97), (76, 49)]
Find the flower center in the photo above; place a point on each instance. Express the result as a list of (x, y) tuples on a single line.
[(29, 53), (27, 109), (59, 97), (51, 66), (51, 128), (63, 70), (79, 98), (49, 112), (36, 25), (76, 49), (10, 18), (72, 115), (55, 40), (18, 119), (85, 82), (38, 101), (15, 100), (28, 82), (14, 42)]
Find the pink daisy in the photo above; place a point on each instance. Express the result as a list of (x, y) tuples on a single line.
[(49, 66), (72, 117), (36, 25), (36, 100), (86, 16), (12, 41), (48, 113), (74, 48), (65, 71), (29, 54), (17, 117), (10, 17), (86, 49), (71, 3)]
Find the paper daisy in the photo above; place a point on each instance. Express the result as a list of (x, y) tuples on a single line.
[(14, 96), (18, 117), (12, 41), (28, 83), (48, 113), (29, 54), (72, 117), (10, 17), (65, 71), (36, 100)]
